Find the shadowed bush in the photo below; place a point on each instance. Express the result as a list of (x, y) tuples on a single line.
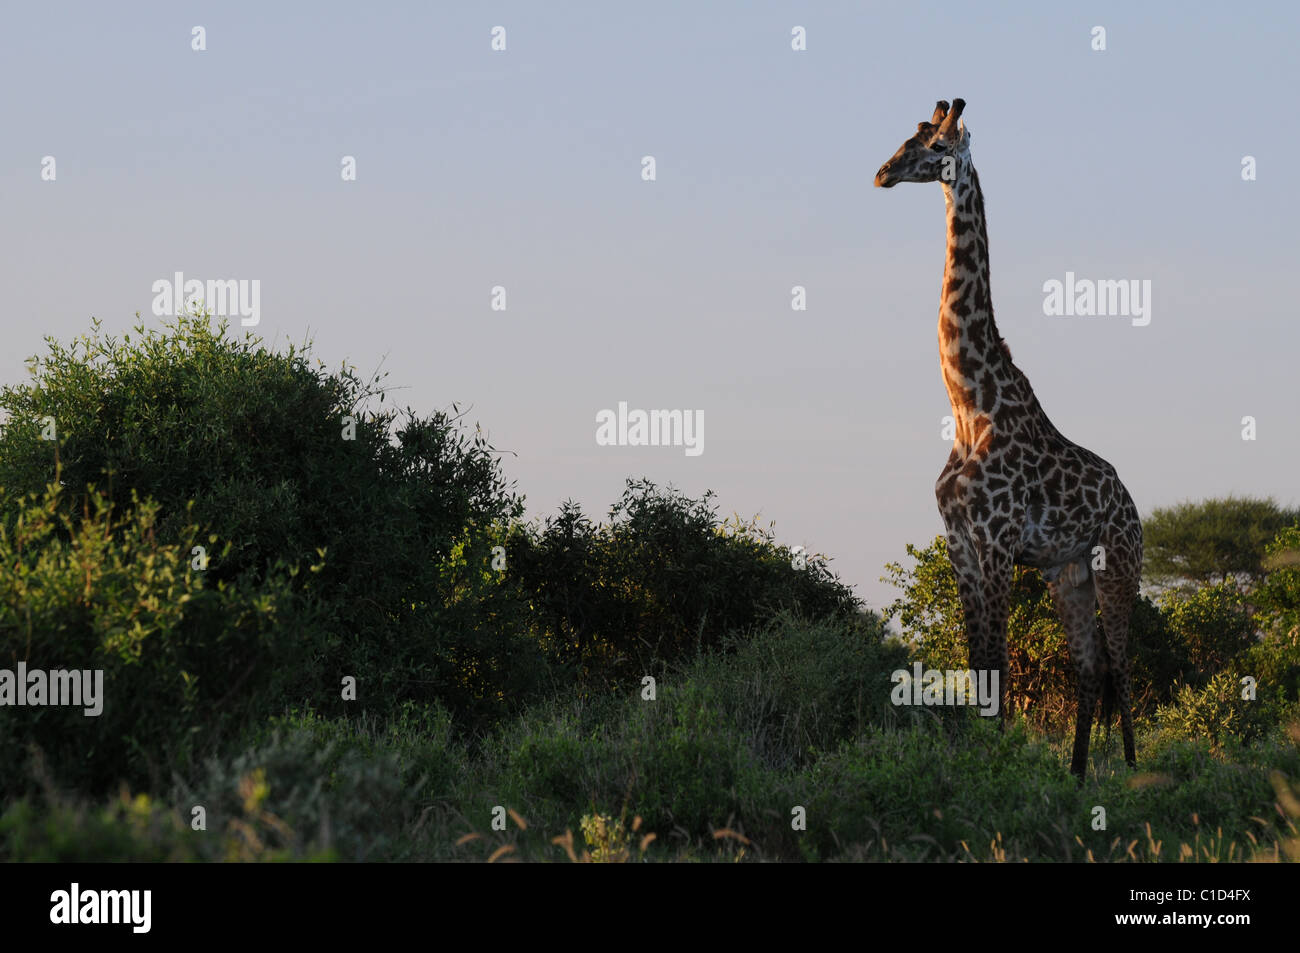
[(286, 465), (103, 592), (661, 580)]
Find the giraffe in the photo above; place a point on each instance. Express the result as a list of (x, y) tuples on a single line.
[(1014, 490)]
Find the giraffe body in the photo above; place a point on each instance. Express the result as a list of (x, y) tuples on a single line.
[(1015, 491)]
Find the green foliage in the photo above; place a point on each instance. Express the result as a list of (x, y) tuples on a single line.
[(663, 578), (929, 611), (712, 743), (98, 591), (396, 525), (929, 608), (1277, 597), (305, 789), (608, 839), (798, 687), (127, 829), (675, 758), (1184, 639), (1275, 665), (919, 796), (313, 788), (1215, 712), (1204, 543), (689, 770), (1212, 625), (1158, 655)]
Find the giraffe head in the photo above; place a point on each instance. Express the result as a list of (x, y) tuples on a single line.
[(939, 148)]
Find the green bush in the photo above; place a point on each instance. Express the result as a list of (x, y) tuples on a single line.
[(1184, 640), (1041, 679), (709, 749), (915, 794), (305, 788), (796, 687), (1216, 712), (312, 788), (1278, 595), (285, 464), (127, 829), (309, 790), (1212, 624), (662, 579), (184, 660), (1275, 666)]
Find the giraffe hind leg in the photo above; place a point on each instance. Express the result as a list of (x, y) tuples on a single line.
[(1075, 598), (1116, 592)]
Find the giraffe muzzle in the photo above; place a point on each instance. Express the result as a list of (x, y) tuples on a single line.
[(883, 180)]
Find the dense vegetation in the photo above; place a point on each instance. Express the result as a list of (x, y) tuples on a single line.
[(326, 623)]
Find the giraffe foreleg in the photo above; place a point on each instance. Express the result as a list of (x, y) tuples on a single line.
[(966, 570), (996, 569)]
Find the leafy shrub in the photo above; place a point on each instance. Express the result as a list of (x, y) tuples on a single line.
[(609, 840), (1216, 712), (915, 794), (708, 751), (1040, 681), (1184, 639), (1278, 596), (1275, 666), (127, 829), (798, 687), (303, 793), (180, 656), (662, 579), (689, 770), (1212, 624), (286, 464)]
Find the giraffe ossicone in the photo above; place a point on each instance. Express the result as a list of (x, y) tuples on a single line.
[(1014, 490)]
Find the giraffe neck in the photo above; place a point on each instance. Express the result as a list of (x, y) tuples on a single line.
[(975, 367)]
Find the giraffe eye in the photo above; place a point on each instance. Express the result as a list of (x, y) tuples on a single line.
[(938, 147)]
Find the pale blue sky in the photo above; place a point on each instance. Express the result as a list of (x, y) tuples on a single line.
[(522, 169)]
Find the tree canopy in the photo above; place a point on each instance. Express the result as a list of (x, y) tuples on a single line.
[(1204, 543)]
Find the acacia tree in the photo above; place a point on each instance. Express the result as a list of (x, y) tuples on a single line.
[(1193, 545)]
